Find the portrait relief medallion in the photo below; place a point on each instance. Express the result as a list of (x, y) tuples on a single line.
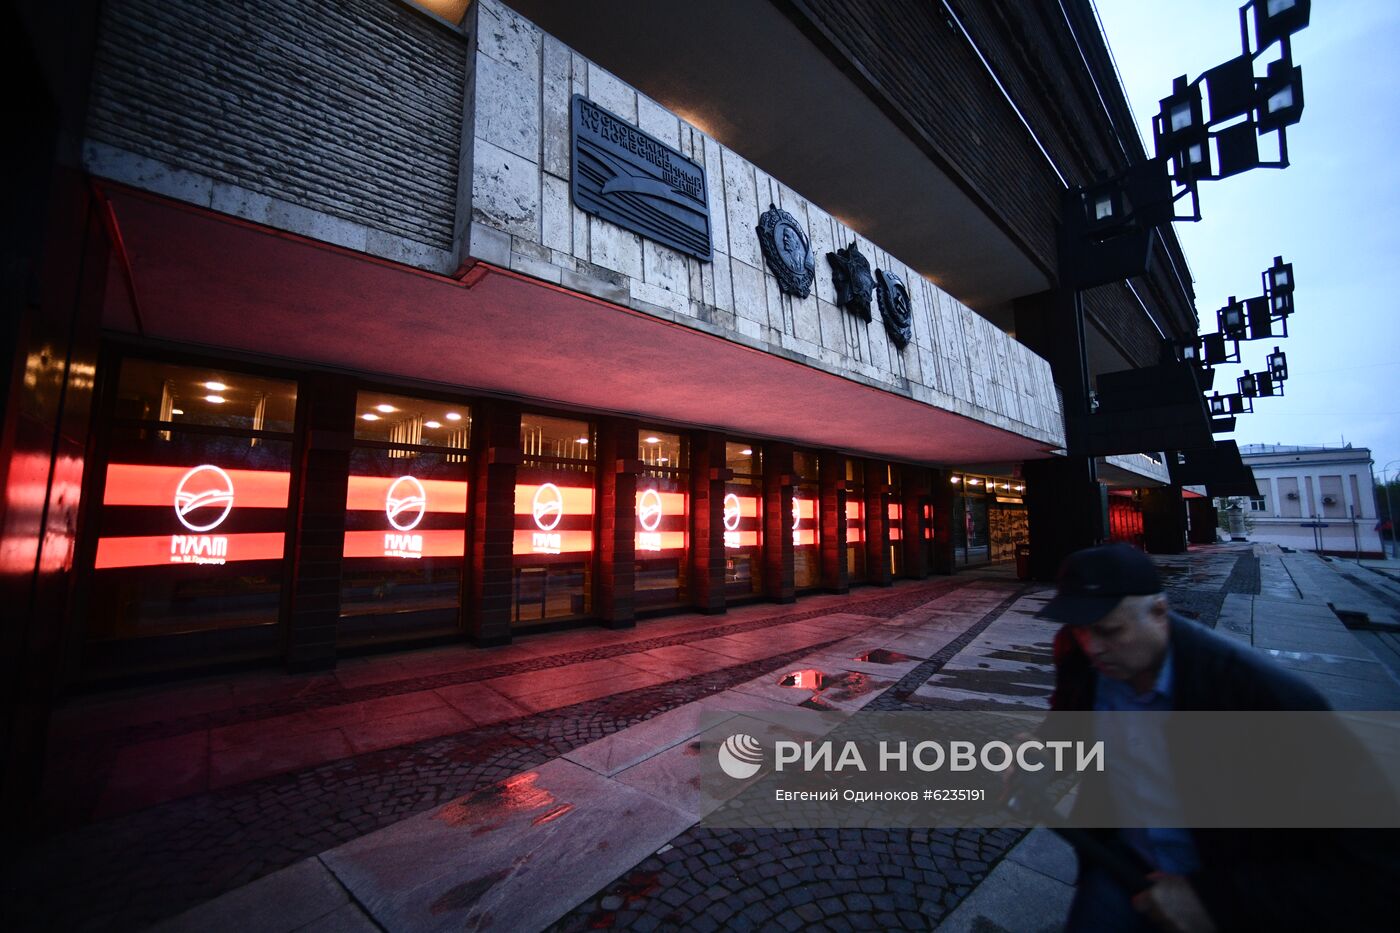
[(786, 251)]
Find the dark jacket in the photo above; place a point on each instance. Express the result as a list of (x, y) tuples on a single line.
[(1256, 879)]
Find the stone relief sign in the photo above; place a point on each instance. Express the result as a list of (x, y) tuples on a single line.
[(850, 273), (786, 251), (636, 181), (895, 307)]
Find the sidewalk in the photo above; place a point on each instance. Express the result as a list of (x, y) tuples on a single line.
[(1291, 618), (544, 785)]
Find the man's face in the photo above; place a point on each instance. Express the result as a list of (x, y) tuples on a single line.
[(1130, 641)]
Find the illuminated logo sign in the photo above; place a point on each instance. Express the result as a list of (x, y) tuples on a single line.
[(548, 507), (204, 488), (203, 499), (731, 520), (649, 518), (731, 512), (548, 510), (649, 510), (405, 504)]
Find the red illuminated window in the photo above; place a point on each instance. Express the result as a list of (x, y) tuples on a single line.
[(663, 496), (554, 506), (405, 518), (191, 532), (742, 516)]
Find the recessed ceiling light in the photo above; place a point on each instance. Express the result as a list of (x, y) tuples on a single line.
[(663, 459), (747, 451), (370, 416), (215, 386), (216, 399), (385, 408), (583, 440), (652, 440), (432, 424), (177, 411), (453, 416)]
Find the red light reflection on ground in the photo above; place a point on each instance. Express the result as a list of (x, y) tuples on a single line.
[(490, 807)]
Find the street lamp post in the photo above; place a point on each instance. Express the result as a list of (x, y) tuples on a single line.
[(1389, 512), (1207, 129)]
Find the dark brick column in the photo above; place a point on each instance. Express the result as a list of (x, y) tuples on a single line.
[(313, 601), (1204, 520), (778, 481), (708, 475), (1164, 520), (1064, 508), (877, 524), (832, 517), (495, 455), (914, 493), (618, 467), (941, 494)]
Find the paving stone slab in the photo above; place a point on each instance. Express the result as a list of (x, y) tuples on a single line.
[(510, 857), (283, 901), (1012, 897), (1043, 851)]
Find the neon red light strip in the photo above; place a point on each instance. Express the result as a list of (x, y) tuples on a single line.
[(149, 485), (158, 550)]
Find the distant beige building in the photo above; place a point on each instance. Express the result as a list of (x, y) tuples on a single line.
[(1313, 498)]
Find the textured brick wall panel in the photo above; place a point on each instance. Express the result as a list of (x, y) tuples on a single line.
[(350, 108)]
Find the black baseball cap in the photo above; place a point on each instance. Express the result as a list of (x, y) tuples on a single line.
[(1093, 581)]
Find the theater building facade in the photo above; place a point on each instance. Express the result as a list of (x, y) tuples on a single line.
[(383, 323), (575, 361)]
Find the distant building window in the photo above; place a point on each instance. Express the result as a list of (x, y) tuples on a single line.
[(1257, 504)]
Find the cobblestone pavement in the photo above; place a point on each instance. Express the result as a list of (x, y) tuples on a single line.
[(83, 764), (869, 879), (127, 872), (708, 879), (1197, 582)]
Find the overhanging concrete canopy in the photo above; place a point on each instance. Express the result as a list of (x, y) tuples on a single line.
[(208, 280)]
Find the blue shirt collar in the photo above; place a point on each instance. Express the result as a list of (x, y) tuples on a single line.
[(1162, 686)]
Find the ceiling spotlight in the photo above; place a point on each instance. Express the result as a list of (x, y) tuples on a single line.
[(216, 399), (177, 411), (652, 440), (215, 386), (385, 408), (453, 416), (582, 440), (747, 451), (432, 424), (370, 416)]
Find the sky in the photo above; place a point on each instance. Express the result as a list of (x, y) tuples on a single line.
[(1334, 212)]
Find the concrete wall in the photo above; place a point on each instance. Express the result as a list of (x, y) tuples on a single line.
[(1149, 467), (522, 217), (372, 126)]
